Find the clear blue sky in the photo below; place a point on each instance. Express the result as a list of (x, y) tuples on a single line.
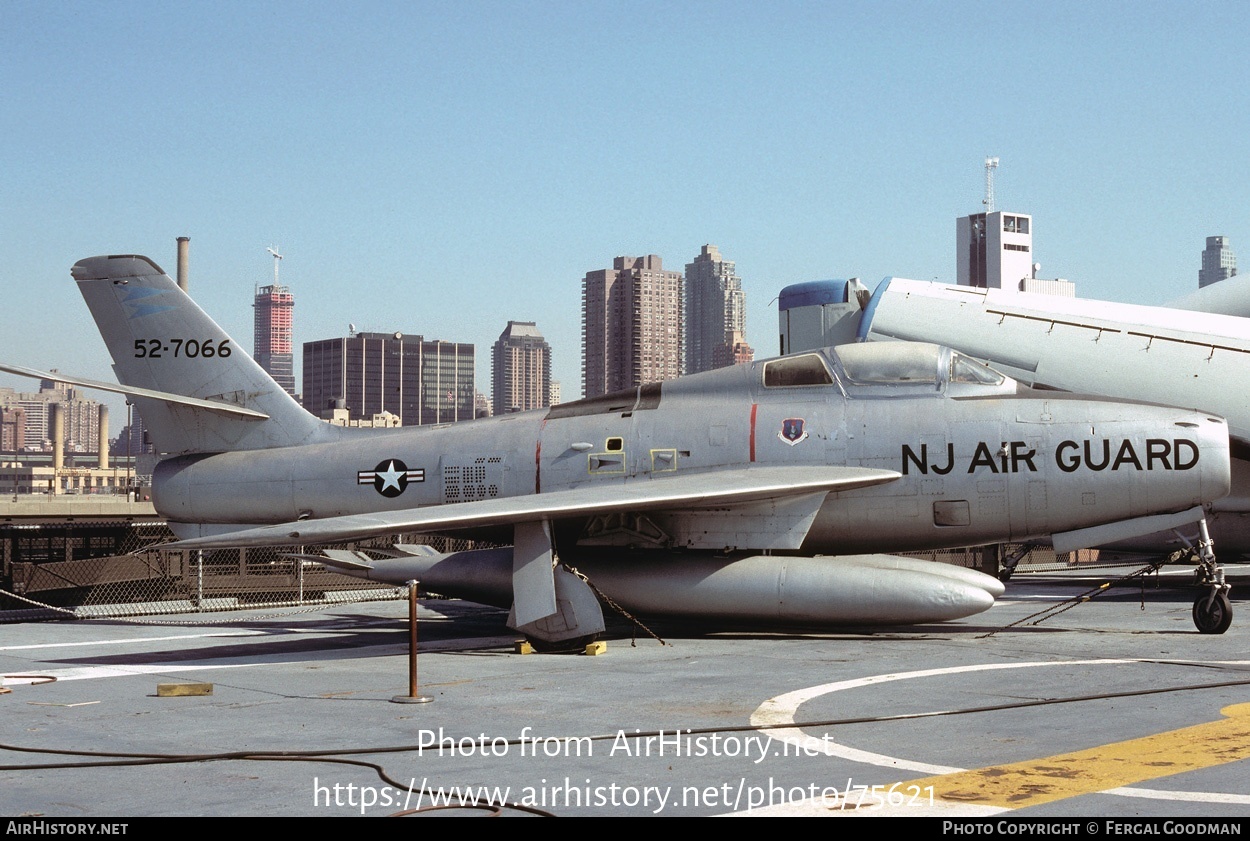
[(443, 168)]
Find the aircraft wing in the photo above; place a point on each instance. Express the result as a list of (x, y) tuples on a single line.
[(135, 391), (1230, 296), (713, 489), (1155, 354)]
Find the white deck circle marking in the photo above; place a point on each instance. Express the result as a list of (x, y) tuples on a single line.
[(783, 708)]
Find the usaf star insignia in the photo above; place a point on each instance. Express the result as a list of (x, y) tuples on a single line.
[(390, 477)]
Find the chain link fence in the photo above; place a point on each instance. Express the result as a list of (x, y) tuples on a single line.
[(103, 570)]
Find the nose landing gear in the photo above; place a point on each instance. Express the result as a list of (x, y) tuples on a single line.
[(1213, 612)]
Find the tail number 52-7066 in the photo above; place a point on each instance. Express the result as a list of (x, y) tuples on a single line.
[(190, 348)]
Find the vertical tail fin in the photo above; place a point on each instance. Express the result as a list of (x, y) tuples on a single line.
[(160, 339)]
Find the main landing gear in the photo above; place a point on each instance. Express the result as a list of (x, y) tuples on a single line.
[(1213, 612)]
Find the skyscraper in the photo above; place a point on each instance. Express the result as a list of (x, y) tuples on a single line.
[(272, 334), (631, 325), (422, 381), (134, 439), (12, 430), (715, 314), (1218, 262), (520, 366)]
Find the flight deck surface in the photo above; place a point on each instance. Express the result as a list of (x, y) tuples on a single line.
[(1116, 707)]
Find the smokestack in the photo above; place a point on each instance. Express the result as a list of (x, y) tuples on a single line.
[(184, 245), (104, 437), (58, 440)]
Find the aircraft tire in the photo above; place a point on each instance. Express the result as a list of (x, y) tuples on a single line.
[(1215, 619)]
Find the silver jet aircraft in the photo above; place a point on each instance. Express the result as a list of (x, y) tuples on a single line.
[(718, 495), (1190, 354)]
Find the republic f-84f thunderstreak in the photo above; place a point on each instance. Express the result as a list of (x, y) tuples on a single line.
[(717, 495)]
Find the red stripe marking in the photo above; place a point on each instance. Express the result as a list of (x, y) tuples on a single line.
[(754, 406)]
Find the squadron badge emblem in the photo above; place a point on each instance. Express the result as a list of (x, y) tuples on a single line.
[(792, 431)]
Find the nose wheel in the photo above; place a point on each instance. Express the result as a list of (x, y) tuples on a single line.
[(1213, 612)]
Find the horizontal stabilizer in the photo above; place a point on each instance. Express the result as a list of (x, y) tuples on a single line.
[(715, 489), (135, 391)]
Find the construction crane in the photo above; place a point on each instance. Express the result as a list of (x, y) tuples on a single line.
[(278, 258)]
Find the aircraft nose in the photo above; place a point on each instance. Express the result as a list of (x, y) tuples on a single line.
[(1192, 449), (1214, 458), (1150, 460)]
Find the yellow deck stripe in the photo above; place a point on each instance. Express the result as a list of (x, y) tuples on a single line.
[(1037, 781)]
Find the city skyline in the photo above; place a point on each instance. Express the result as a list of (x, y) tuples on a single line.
[(492, 181), (80, 416)]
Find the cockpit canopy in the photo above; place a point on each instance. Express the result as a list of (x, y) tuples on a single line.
[(886, 369)]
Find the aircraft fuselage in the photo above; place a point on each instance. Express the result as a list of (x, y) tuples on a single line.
[(977, 462)]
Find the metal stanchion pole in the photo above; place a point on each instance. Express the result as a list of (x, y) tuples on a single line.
[(412, 697)]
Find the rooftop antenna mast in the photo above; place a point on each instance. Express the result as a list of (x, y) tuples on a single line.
[(276, 258), (991, 164)]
